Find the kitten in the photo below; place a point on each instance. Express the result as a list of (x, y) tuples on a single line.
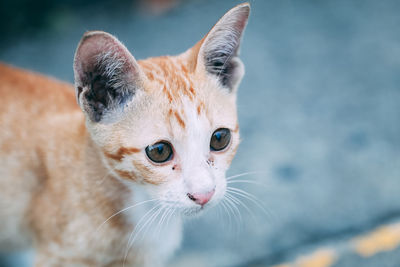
[(152, 144)]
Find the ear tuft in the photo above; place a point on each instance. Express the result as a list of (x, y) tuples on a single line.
[(220, 48), (106, 75)]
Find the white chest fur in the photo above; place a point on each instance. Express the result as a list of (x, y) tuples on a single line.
[(157, 232)]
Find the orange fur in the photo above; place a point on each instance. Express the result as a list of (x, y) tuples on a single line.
[(53, 165), (63, 173), (122, 151), (179, 119)]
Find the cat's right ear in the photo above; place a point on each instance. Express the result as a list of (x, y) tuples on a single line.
[(106, 76)]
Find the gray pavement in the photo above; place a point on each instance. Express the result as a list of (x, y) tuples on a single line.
[(319, 114)]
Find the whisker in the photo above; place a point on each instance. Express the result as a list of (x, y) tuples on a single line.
[(243, 205), (170, 216), (228, 195), (243, 174), (237, 218), (230, 189), (247, 182), (234, 206), (248, 196), (139, 225), (161, 221), (125, 209), (231, 211), (223, 204), (147, 226)]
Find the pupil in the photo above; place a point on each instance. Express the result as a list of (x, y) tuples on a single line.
[(160, 149), (218, 136)]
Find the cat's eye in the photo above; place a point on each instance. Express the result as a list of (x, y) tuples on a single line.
[(159, 152), (220, 139)]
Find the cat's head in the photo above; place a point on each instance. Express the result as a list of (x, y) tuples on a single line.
[(168, 122)]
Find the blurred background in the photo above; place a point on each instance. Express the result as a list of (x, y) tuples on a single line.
[(319, 111)]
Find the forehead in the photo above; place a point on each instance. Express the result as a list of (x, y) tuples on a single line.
[(183, 102)]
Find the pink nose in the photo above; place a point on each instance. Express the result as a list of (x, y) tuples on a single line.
[(201, 198)]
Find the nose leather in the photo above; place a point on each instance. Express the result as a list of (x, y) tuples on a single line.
[(201, 198)]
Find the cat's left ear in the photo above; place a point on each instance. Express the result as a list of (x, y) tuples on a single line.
[(219, 51)]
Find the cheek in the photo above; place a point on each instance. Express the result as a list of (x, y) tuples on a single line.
[(147, 173), (138, 169), (230, 156), (227, 157), (120, 168), (172, 192), (220, 188)]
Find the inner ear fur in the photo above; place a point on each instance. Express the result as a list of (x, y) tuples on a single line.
[(219, 51), (106, 76)]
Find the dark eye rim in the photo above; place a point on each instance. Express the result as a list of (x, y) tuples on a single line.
[(170, 157), (227, 145)]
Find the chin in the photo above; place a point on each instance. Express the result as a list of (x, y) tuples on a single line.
[(192, 212), (197, 211)]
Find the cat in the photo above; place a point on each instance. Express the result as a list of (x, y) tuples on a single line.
[(153, 143)]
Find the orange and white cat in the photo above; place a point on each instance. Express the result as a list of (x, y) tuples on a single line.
[(153, 143)]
